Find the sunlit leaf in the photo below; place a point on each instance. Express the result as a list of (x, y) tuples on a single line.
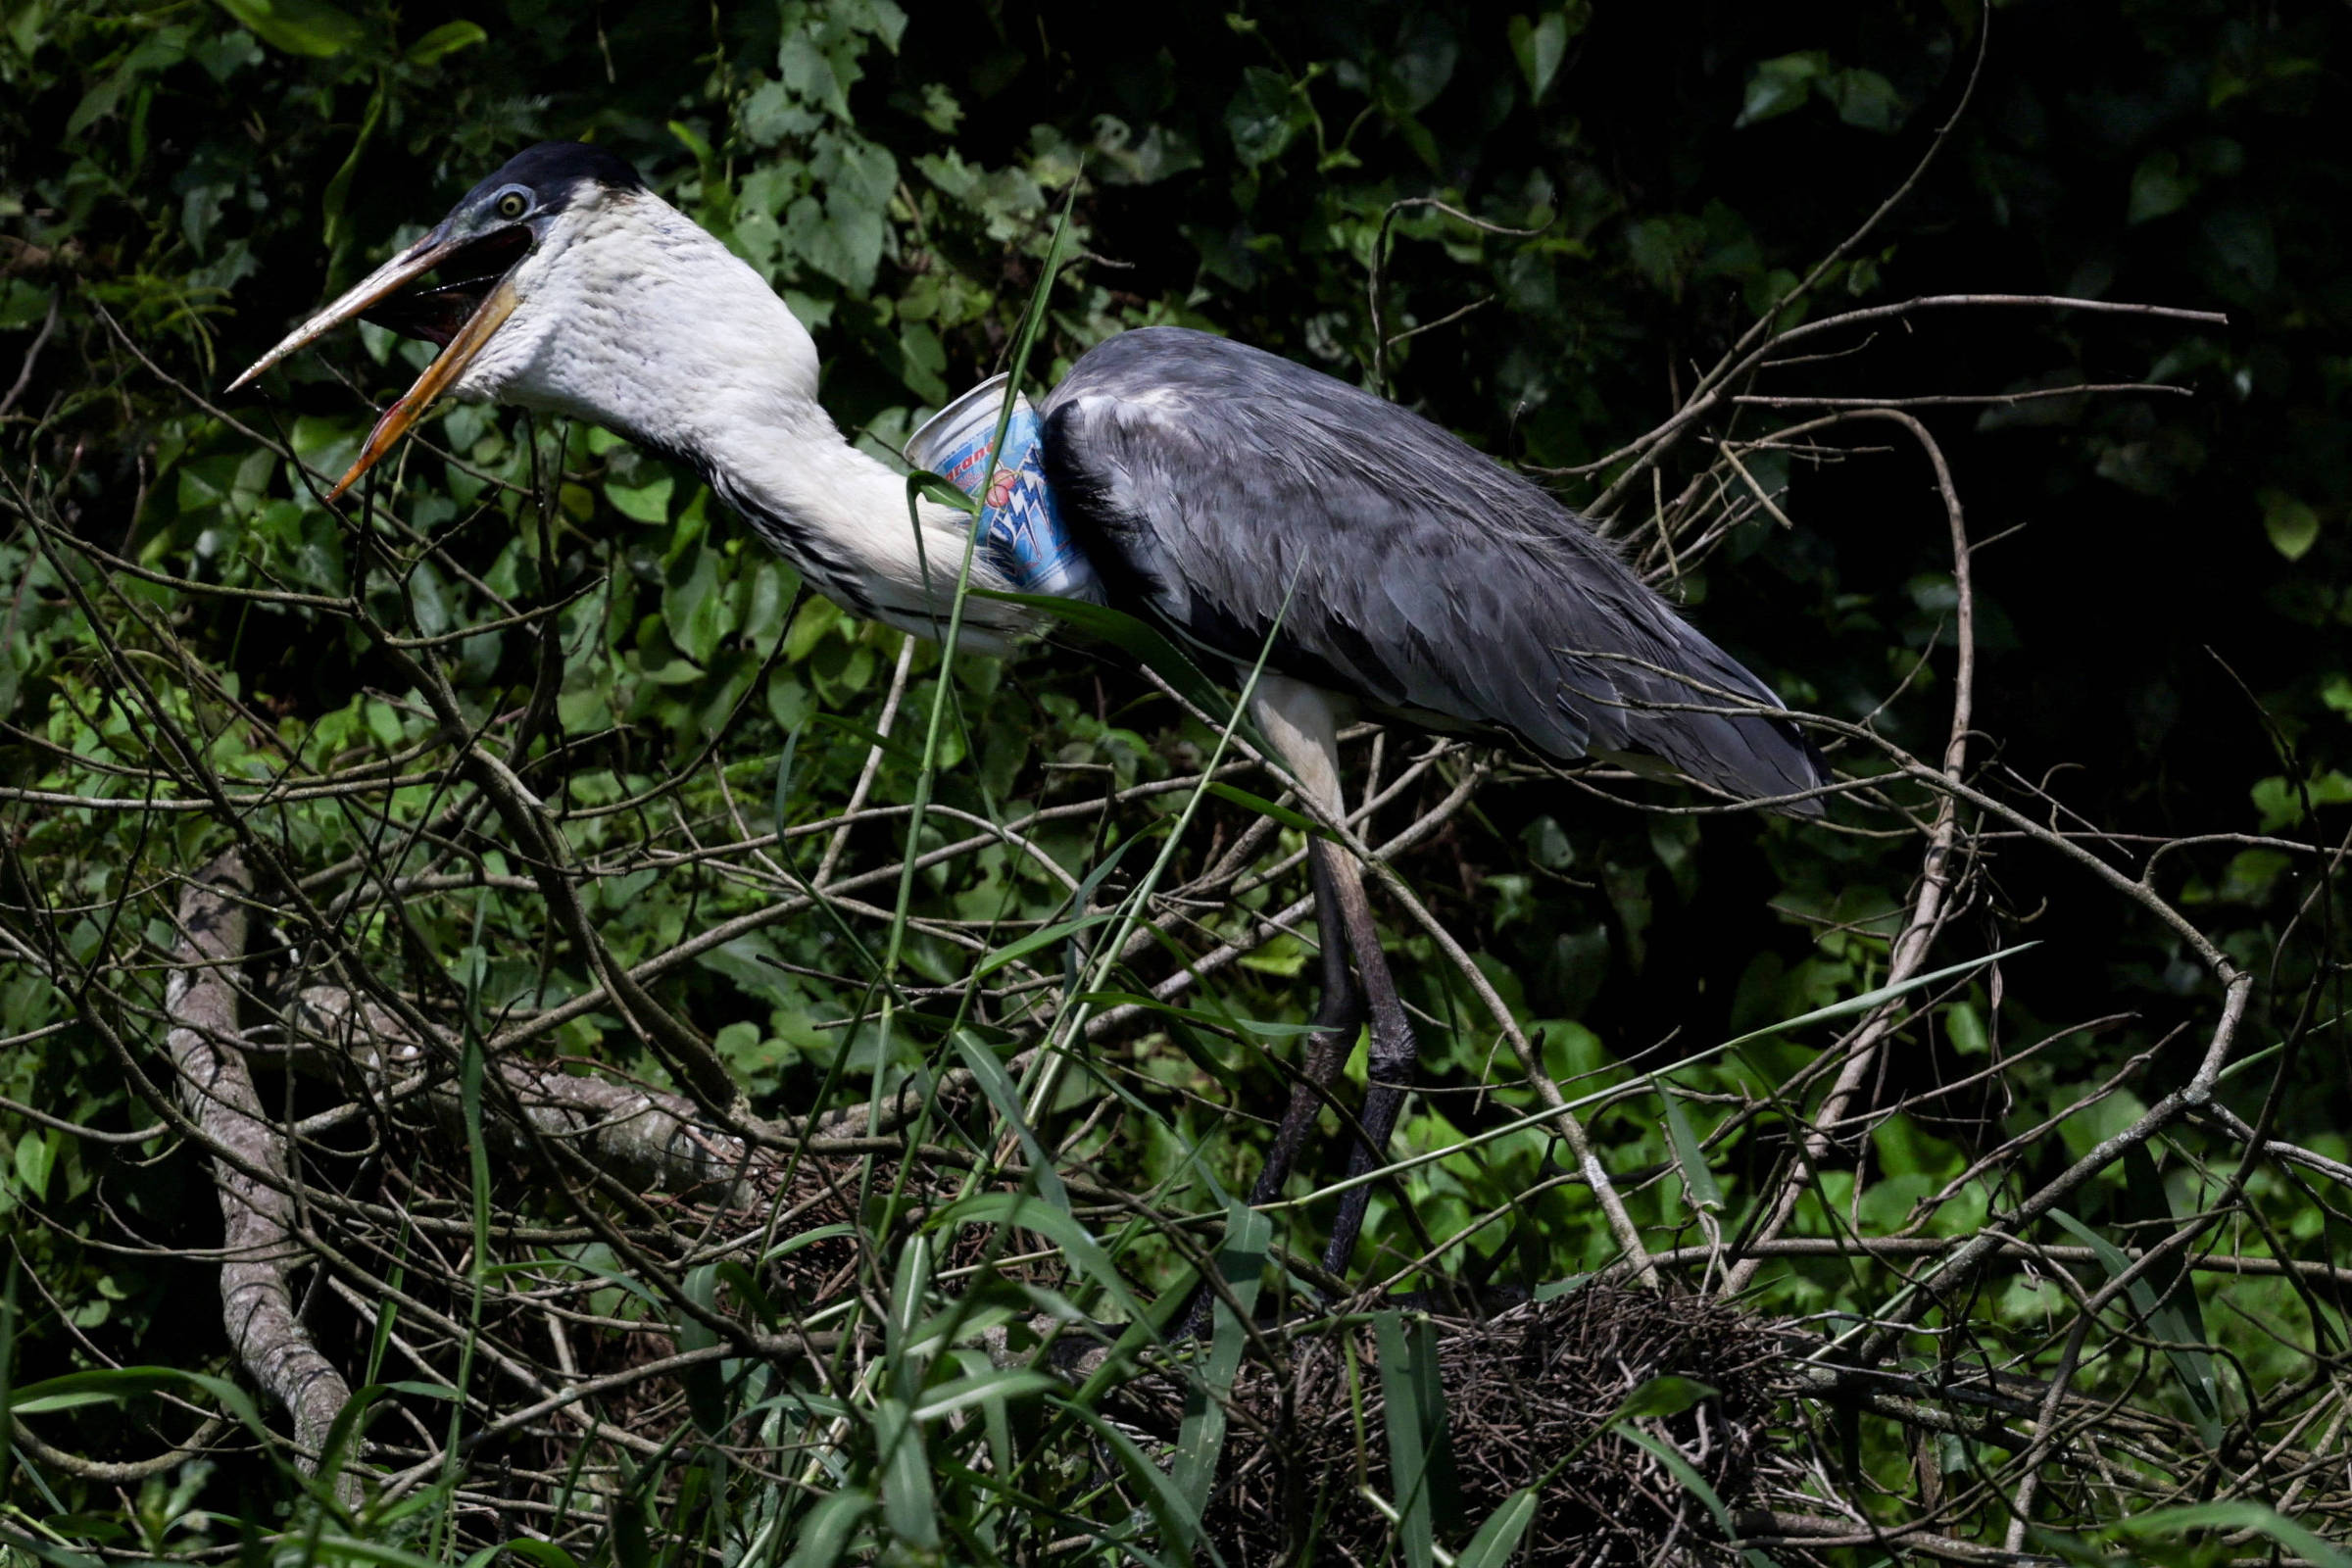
[(444, 40), (311, 28)]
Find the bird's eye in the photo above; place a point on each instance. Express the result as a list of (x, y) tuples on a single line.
[(512, 205)]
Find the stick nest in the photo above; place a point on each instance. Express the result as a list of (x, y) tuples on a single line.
[(1522, 1391)]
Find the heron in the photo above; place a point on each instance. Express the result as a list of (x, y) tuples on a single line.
[(1338, 552)]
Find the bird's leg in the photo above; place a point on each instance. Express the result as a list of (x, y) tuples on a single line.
[(1298, 718), (1392, 1051), (1337, 1018)]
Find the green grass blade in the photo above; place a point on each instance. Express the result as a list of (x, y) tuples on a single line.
[(1693, 1481), (1662, 1395), (826, 1533), (1413, 1410), (8, 1372), (1698, 1182), (2192, 1364), (997, 1086), (1240, 1263), (1865, 1001), (992, 1386), (1012, 951), (1145, 644), (1200, 1016), (1498, 1536), (115, 1385), (783, 793), (909, 1507), (1294, 820), (546, 1553), (1177, 1526), (704, 1382), (2290, 1537), (1054, 1225)]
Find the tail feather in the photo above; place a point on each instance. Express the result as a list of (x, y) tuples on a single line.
[(1748, 754)]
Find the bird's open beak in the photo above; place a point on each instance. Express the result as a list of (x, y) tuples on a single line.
[(461, 316)]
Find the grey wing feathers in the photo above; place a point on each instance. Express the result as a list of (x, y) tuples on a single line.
[(1227, 489)]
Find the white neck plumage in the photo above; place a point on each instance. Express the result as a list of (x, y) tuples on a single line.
[(657, 332)]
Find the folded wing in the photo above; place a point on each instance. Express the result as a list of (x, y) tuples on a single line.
[(1228, 490)]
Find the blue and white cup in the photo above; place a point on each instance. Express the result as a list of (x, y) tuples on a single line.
[(1020, 526)]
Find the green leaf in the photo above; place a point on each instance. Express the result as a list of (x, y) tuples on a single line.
[(694, 608), (1177, 1522), (310, 28), (96, 104), (867, 739), (2292, 524), (846, 242), (1140, 641), (1837, 1009), (1864, 99), (1160, 152), (1539, 45), (647, 503), (1413, 69), (118, 1384), (1553, 1289), (2158, 188), (2246, 243), (705, 159), (8, 1371), (1664, 249), (810, 73), (782, 804), (770, 115), (705, 1381), (2281, 803), (1028, 1213), (446, 39), (1200, 1016), (1876, 996), (330, 1547), (1775, 88), (1965, 1030), (34, 1160), (1263, 116)]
